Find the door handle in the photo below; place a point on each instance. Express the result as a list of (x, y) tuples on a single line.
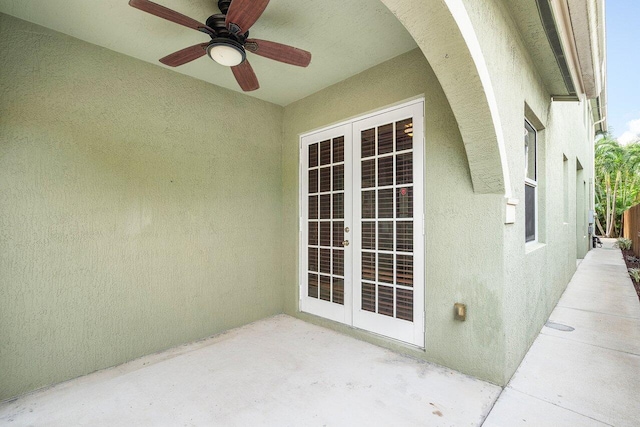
[(345, 243)]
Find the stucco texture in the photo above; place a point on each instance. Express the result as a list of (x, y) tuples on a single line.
[(463, 229), (536, 274), (472, 256), (139, 208)]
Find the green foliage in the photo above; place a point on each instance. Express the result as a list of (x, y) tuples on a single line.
[(617, 183), (635, 273), (623, 243)]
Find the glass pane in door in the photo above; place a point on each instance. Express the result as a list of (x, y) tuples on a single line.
[(325, 222), (387, 219)]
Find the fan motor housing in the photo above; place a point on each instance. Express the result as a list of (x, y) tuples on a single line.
[(217, 22), (223, 5)]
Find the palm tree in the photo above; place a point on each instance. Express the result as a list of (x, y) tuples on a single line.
[(617, 170), (630, 180)]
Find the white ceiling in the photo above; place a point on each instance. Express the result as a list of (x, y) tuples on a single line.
[(344, 37)]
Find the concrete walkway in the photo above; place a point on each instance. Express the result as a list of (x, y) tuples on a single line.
[(587, 376)]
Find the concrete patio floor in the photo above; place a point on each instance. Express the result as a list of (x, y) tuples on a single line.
[(589, 376), (285, 372), (279, 371)]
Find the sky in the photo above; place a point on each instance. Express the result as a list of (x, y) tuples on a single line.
[(623, 68)]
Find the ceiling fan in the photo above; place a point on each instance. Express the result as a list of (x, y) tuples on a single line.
[(229, 32)]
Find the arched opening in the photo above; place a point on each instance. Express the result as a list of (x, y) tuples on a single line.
[(443, 31)]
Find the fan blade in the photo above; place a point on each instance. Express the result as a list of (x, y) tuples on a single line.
[(242, 14), (185, 55), (245, 76), (279, 52), (169, 15)]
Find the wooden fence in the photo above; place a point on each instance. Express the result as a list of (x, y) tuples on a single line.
[(631, 227)]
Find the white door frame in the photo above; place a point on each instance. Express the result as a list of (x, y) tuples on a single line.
[(402, 330), (408, 332), (336, 312)]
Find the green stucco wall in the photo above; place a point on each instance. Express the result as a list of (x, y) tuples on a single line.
[(535, 275), (472, 256), (139, 208), (463, 229)]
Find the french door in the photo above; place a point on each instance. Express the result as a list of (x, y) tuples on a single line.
[(362, 223)]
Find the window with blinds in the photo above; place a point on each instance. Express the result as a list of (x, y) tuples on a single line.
[(530, 182), (325, 229), (387, 219), (362, 252)]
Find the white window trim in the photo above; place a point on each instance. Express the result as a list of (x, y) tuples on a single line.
[(533, 183)]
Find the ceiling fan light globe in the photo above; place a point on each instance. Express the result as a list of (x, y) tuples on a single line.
[(226, 53)]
